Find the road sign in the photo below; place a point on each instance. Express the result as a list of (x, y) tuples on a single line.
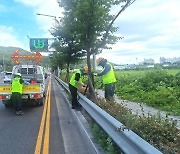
[(40, 44), (15, 56)]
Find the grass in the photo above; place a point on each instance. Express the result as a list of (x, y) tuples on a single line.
[(158, 131), (142, 72), (157, 90)]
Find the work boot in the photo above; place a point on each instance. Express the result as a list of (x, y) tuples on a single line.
[(73, 107), (19, 113)]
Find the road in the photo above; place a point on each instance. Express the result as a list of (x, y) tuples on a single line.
[(51, 128)]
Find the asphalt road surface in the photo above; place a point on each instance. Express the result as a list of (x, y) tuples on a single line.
[(51, 128)]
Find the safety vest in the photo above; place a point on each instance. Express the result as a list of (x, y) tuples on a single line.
[(109, 77), (16, 86), (72, 81)]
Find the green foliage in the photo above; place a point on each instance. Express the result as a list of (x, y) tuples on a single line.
[(156, 88), (154, 78), (159, 132), (55, 61), (87, 25), (5, 59), (177, 79), (104, 140)]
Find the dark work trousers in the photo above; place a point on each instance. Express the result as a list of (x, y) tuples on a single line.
[(73, 91), (109, 91), (17, 100)]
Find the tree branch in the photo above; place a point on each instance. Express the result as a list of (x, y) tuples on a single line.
[(128, 3)]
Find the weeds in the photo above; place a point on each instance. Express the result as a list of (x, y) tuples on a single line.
[(104, 140), (159, 132)]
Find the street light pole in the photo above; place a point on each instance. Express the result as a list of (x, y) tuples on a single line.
[(47, 15), (56, 22)]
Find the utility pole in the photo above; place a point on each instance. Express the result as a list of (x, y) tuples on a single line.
[(4, 67)]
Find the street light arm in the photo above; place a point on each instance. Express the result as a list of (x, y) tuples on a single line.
[(46, 15)]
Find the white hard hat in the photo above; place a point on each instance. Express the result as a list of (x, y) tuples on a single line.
[(18, 74)]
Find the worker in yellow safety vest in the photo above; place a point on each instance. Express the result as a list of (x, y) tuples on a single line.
[(108, 78), (17, 85), (75, 82)]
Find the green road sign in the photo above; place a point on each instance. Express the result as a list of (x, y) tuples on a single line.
[(38, 44)]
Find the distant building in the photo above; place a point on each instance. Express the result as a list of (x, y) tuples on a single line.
[(169, 60), (118, 67), (123, 67), (150, 66), (163, 60), (148, 61)]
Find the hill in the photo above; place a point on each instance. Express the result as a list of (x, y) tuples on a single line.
[(6, 63), (5, 52)]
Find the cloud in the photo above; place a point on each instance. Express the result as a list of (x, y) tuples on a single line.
[(151, 29), (8, 37), (46, 7), (45, 22)]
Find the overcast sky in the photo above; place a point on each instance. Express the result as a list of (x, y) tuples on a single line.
[(151, 28)]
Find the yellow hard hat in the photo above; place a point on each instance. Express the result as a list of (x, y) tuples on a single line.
[(85, 68), (99, 60)]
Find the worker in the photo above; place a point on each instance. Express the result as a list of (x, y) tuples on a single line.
[(17, 85), (75, 82), (108, 78)]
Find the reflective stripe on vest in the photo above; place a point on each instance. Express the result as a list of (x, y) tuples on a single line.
[(109, 77), (72, 81), (16, 86)]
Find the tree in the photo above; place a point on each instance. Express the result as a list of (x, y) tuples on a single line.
[(66, 43), (67, 55), (92, 25)]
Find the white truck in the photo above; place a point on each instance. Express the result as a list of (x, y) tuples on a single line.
[(33, 92)]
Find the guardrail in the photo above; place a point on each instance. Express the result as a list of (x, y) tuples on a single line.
[(126, 140)]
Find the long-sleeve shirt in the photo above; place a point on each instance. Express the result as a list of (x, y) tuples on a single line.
[(106, 67)]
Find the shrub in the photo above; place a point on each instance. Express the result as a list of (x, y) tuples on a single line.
[(159, 132)]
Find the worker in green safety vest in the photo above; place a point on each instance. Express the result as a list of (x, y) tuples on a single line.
[(17, 85), (75, 82), (108, 78)]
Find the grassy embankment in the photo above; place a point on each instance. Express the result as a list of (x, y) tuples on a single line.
[(157, 88)]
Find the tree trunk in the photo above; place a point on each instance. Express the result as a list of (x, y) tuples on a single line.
[(92, 94), (67, 73)]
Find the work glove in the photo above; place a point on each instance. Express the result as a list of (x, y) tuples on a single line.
[(82, 84), (95, 74)]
